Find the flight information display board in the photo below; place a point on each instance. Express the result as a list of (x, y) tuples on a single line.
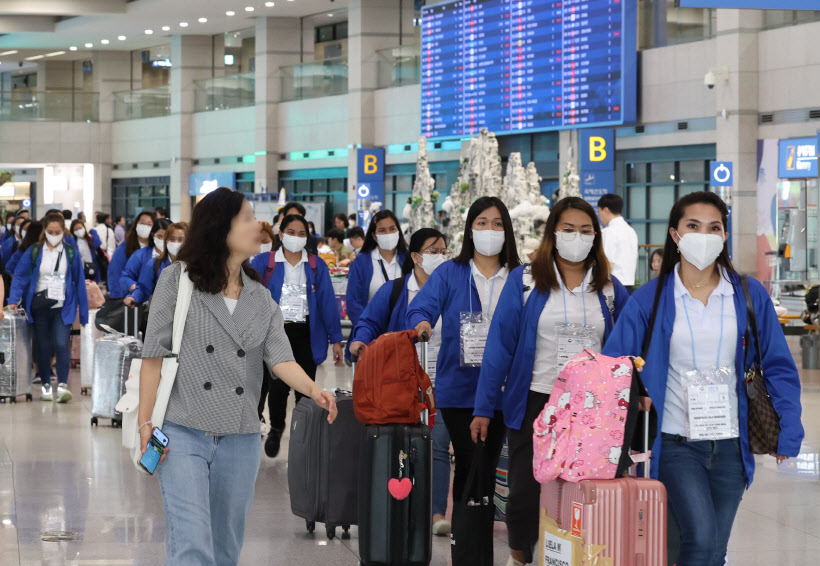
[(527, 65)]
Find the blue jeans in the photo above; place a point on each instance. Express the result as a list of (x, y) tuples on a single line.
[(704, 481), (441, 466), (207, 485), (50, 333)]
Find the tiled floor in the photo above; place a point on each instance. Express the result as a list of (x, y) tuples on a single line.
[(59, 474)]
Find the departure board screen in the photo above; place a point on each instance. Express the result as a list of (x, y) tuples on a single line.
[(527, 65)]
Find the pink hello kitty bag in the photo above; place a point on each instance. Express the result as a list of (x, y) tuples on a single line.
[(588, 428)]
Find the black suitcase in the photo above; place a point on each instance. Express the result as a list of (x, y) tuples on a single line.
[(323, 463)]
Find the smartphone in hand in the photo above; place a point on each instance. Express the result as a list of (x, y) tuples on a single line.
[(156, 446)]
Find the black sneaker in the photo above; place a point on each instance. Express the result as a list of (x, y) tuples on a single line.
[(273, 442)]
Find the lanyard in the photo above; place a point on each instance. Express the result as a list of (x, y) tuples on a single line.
[(492, 289), (57, 265), (384, 271), (692, 334), (583, 299)]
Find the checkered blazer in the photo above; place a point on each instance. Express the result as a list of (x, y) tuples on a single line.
[(219, 380)]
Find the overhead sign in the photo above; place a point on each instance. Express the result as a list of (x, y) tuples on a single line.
[(204, 183), (752, 4), (26, 203), (370, 187), (597, 150), (595, 184), (721, 174), (797, 159)]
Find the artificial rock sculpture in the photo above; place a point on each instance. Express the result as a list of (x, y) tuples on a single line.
[(420, 211)]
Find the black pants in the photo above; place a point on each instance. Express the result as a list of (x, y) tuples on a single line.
[(276, 390), (458, 425), (523, 513)]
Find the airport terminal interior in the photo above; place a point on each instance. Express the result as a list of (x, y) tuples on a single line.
[(117, 111)]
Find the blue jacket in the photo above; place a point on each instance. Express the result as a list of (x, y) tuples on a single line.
[(377, 317), (358, 284), (116, 265), (11, 264), (782, 380), (325, 323), (131, 273), (24, 284), (446, 294), (147, 281), (7, 249), (513, 333)]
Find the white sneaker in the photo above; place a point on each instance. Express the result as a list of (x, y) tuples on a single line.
[(442, 528), (46, 396), (513, 562), (63, 394)]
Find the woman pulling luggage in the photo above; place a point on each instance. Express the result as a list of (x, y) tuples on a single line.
[(386, 312), (300, 284), (567, 298), (136, 239), (149, 274), (49, 280), (464, 293), (703, 334)]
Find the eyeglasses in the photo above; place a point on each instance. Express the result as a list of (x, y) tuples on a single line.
[(448, 254), (569, 235)]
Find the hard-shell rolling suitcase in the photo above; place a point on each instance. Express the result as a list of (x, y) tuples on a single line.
[(74, 342), (396, 493), (89, 335), (112, 360), (623, 519), (15, 358), (323, 462)]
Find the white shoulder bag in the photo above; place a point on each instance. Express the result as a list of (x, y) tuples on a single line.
[(128, 405)]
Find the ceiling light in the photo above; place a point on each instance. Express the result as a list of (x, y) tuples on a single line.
[(34, 58), (230, 13), (183, 24), (249, 9), (166, 28), (72, 48), (149, 32), (203, 20), (89, 45), (330, 15), (7, 53), (269, 4), (121, 38), (55, 53), (105, 42)]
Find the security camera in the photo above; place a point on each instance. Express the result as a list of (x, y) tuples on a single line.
[(709, 79), (20, 64)]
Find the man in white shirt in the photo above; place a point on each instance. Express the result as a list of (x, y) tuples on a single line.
[(620, 240), (106, 234)]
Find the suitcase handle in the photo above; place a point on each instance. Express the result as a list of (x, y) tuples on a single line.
[(425, 340)]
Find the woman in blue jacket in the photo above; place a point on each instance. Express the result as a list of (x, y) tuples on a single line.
[(300, 283), (568, 297), (49, 280), (464, 293), (698, 338), (150, 271), (87, 245), (136, 238), (31, 236), (131, 273), (380, 261), (386, 312)]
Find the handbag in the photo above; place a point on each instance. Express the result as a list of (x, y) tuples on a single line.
[(473, 517), (763, 420), (128, 405), (90, 270)]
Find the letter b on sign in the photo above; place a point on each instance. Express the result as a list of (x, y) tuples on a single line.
[(371, 166), (597, 150)]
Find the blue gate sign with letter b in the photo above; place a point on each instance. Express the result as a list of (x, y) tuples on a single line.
[(721, 174)]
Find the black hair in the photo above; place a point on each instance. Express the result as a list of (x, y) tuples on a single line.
[(205, 250), (54, 211), (336, 234), (160, 224), (343, 217), (370, 242), (132, 242), (293, 218), (118, 218), (102, 217), (416, 242), (509, 253), (301, 209), (33, 230), (356, 232), (67, 214), (613, 202), (657, 251), (161, 210)]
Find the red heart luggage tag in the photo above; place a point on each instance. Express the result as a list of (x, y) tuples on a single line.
[(400, 488)]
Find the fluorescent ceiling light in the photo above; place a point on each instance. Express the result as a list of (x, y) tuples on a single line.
[(121, 38), (72, 48), (149, 31), (89, 45), (183, 24), (269, 4), (249, 9), (55, 53), (7, 53), (34, 58), (230, 13), (203, 20), (105, 42), (166, 28)]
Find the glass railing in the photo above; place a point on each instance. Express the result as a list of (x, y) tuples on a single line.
[(327, 77), (49, 106), (782, 18), (679, 25), (399, 66), (144, 103), (221, 93)]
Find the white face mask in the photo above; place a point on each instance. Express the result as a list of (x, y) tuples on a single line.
[(429, 262), (159, 244), (143, 231), (488, 242), (23, 233), (294, 244), (17, 229), (388, 242), (701, 250), (54, 240), (265, 248), (174, 247), (80, 232), (575, 250)]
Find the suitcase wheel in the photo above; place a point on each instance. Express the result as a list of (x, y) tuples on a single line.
[(13, 400), (310, 526), (116, 424), (94, 421), (75, 364), (2, 400), (28, 398), (345, 532), (331, 532), (84, 391)]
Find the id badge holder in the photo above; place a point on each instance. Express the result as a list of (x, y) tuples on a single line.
[(56, 288), (473, 333), (571, 340), (294, 303), (710, 413)]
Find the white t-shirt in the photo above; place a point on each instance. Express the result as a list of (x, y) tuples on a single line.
[(705, 321), (294, 274), (489, 290), (413, 290), (106, 235), (544, 371), (230, 303), (392, 268), (621, 249), (48, 263), (85, 250)]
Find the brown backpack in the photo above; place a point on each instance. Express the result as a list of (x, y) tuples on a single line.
[(388, 379)]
